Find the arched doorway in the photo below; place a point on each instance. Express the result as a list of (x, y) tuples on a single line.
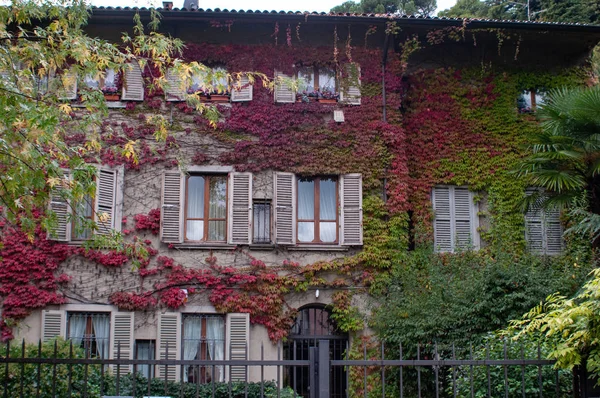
[(312, 324)]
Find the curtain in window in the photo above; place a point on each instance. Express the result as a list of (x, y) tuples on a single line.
[(306, 79), (143, 352), (306, 210), (327, 210), (101, 325), (77, 324), (195, 208), (215, 336), (217, 208), (192, 329), (326, 79)]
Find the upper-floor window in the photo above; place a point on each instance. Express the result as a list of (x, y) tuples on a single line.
[(107, 82), (206, 208), (317, 82), (83, 214), (203, 338), (543, 229), (212, 85), (455, 219), (91, 331), (528, 101), (317, 210)]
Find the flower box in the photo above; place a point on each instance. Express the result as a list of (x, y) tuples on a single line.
[(219, 98), (112, 97), (327, 100)]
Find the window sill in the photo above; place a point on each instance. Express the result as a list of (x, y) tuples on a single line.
[(204, 246), (319, 248), (109, 104)]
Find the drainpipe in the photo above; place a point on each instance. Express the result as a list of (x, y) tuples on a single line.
[(386, 43)]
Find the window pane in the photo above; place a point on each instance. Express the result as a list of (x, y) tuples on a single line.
[(91, 82), (306, 200), (327, 199), (306, 231), (194, 230), (109, 79), (262, 223), (217, 206), (195, 197), (83, 210), (327, 231), (326, 79), (216, 230), (219, 78), (306, 79)]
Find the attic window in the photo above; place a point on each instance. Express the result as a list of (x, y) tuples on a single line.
[(528, 101)]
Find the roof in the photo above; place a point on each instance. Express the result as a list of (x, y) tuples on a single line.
[(367, 18)]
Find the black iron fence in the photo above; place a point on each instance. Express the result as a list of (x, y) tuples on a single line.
[(61, 370)]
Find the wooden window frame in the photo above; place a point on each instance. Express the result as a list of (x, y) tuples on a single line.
[(206, 217), (269, 204), (315, 72), (102, 80), (317, 211), (203, 352), (92, 202), (88, 342)]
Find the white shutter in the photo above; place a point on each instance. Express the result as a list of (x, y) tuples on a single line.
[(68, 85), (350, 93), (283, 91), (169, 333), (133, 83), (60, 207), (242, 91), (171, 230), (442, 222), (122, 339), (174, 92), (554, 232), (351, 209), (240, 208), (463, 219), (534, 231), (285, 214), (237, 343), (106, 195), (53, 324)]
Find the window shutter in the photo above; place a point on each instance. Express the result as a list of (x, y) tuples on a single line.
[(554, 232), (463, 219), (68, 85), (242, 91), (53, 324), (174, 92), (133, 84), (285, 214), (351, 206), (350, 94), (169, 325), (283, 92), (238, 339), (534, 232), (172, 207), (442, 224), (240, 208), (106, 195), (60, 206), (122, 339)]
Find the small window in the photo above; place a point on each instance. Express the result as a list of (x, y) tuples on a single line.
[(144, 349), (529, 101), (455, 219), (206, 208), (203, 338), (91, 331), (212, 81), (83, 212), (318, 82), (317, 210), (262, 222), (107, 83)]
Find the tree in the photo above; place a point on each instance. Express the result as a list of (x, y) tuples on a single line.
[(466, 9), (408, 7)]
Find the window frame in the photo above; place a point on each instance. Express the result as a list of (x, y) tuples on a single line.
[(75, 217), (202, 353), (316, 69), (88, 343), (268, 214), (475, 243), (316, 201), (152, 351), (206, 219)]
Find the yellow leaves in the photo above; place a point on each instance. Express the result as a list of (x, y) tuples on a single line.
[(103, 217), (65, 108), (19, 124), (129, 151), (93, 145), (53, 181)]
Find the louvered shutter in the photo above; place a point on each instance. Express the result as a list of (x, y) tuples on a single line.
[(68, 85), (283, 91), (242, 91), (350, 94), (554, 232), (106, 194), (122, 339), (240, 208), (171, 230), (60, 207), (174, 92), (463, 219), (53, 324), (351, 209), (442, 223), (168, 336), (534, 231), (133, 84), (238, 340), (285, 214)]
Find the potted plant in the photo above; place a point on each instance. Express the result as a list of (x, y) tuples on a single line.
[(111, 93), (328, 96)]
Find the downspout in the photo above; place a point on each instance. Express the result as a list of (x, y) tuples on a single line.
[(386, 44)]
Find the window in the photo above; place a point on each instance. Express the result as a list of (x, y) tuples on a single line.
[(106, 81), (213, 81), (317, 210), (203, 338), (317, 81), (206, 208), (529, 101), (144, 349), (83, 213), (91, 331), (455, 219), (543, 229), (261, 222)]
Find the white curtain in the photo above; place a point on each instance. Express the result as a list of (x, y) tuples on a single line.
[(195, 208), (101, 325), (306, 210), (192, 329), (77, 328), (327, 207), (143, 352), (326, 79), (215, 336)]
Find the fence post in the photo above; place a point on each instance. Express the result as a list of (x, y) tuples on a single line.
[(323, 369)]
